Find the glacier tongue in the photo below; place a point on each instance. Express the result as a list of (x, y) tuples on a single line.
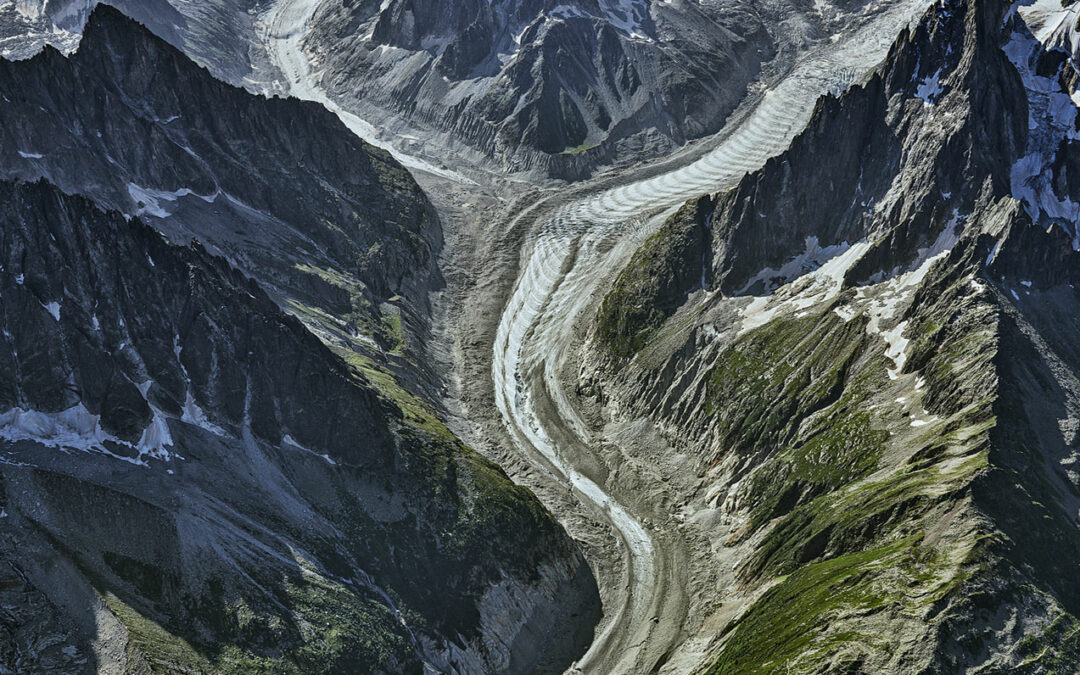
[(566, 260)]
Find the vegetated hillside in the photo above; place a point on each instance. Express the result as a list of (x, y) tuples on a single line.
[(869, 347), (190, 481)]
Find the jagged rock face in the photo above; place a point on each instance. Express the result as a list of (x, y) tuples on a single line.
[(902, 149), (217, 358), (544, 84), (886, 429), (194, 481), (27, 25), (279, 186)]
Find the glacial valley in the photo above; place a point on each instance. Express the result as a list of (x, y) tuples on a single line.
[(598, 336)]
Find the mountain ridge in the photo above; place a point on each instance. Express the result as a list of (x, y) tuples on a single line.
[(880, 406)]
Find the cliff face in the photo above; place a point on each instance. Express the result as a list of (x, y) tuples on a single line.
[(334, 229), (943, 118), (280, 186), (879, 405), (194, 481)]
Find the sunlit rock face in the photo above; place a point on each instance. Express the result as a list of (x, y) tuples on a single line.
[(868, 349)]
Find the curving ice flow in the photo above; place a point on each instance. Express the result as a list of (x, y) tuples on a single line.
[(566, 260), (571, 254), (285, 25)]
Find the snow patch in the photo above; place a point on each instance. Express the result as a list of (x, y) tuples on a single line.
[(567, 12), (628, 16), (827, 267), (896, 350), (77, 429), (30, 155), (54, 309), (930, 89), (813, 258), (195, 416), (1053, 25), (289, 440), (149, 202), (884, 301), (846, 312)]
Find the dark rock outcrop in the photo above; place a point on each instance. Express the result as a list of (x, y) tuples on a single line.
[(945, 114), (198, 483)]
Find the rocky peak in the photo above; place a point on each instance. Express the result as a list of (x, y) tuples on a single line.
[(543, 85), (279, 186), (944, 117), (504, 25)]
